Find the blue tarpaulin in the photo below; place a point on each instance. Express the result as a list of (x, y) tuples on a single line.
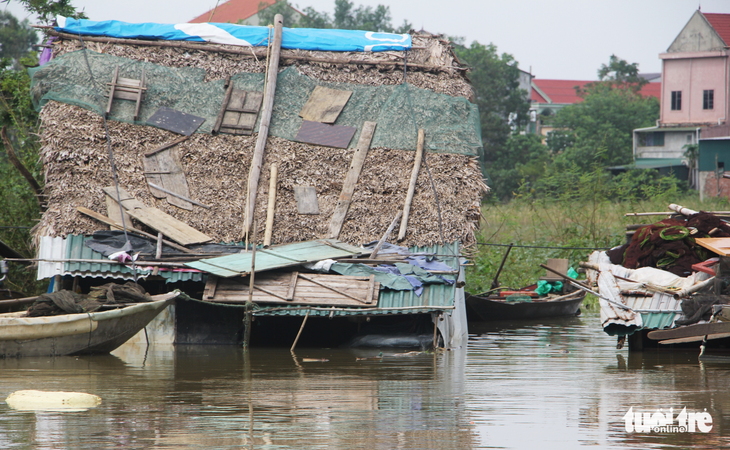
[(244, 35)]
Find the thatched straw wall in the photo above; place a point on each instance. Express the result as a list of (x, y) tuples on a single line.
[(77, 168), (76, 162)]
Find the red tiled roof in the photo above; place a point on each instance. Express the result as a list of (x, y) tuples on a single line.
[(563, 91), (559, 91), (232, 11), (721, 24)]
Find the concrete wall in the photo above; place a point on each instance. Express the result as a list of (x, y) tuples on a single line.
[(672, 148), (696, 36)]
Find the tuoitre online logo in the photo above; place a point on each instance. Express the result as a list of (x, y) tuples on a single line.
[(660, 422)]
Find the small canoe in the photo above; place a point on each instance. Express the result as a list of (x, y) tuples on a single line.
[(76, 334), (487, 309)]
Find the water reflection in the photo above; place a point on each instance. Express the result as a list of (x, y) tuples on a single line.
[(541, 384)]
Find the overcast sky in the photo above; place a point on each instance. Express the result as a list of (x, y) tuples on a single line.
[(556, 39)]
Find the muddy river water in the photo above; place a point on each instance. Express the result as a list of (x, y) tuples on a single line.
[(558, 384)]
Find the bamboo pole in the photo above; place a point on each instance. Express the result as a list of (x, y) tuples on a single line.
[(249, 302), (258, 155), (412, 185), (385, 236), (271, 206), (300, 331)]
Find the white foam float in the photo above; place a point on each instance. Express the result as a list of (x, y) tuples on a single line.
[(30, 400)]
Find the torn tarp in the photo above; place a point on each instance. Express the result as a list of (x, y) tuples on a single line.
[(401, 276), (328, 40)]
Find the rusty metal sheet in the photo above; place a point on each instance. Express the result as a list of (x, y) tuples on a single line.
[(337, 136)]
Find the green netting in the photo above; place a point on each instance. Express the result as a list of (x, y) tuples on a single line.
[(451, 123)]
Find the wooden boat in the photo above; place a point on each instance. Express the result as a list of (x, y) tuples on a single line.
[(496, 307), (76, 334)]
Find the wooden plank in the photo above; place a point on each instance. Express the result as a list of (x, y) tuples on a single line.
[(695, 338), (139, 96), (324, 104), (111, 90), (252, 105), (720, 246), (292, 286), (332, 288), (306, 197), (169, 226), (153, 186), (348, 187), (226, 99), (210, 287), (174, 184), (118, 226), (274, 286), (159, 221), (371, 289), (412, 185), (115, 213), (700, 329), (152, 175), (166, 146), (385, 236)]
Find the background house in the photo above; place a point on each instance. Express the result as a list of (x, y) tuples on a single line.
[(549, 96), (693, 97), (245, 12)]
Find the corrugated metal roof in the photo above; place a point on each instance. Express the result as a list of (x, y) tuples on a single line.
[(73, 247), (286, 255), (435, 297), (659, 320)]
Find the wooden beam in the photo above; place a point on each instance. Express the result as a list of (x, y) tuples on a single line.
[(258, 155), (412, 186), (118, 226), (348, 187), (271, 206), (166, 146), (175, 194)]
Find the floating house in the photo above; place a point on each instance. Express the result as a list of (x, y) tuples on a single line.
[(202, 141)]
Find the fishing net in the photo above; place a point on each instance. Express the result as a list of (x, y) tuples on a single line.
[(451, 123)]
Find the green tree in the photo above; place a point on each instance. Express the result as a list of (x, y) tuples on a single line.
[(267, 13), (495, 79), (47, 10), (16, 38), (522, 160), (347, 17), (611, 109)]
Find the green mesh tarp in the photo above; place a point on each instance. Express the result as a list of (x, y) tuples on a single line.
[(451, 123)]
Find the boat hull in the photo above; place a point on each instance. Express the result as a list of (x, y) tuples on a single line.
[(485, 309), (76, 334)]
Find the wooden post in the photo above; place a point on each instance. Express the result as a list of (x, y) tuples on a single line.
[(300, 332), (258, 154), (348, 187), (272, 204), (412, 186), (385, 236), (249, 303)]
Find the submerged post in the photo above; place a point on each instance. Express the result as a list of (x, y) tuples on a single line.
[(249, 303)]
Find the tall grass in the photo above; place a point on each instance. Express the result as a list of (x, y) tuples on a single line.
[(581, 222)]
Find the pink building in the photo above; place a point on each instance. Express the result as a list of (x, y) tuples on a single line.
[(695, 68), (694, 95)]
